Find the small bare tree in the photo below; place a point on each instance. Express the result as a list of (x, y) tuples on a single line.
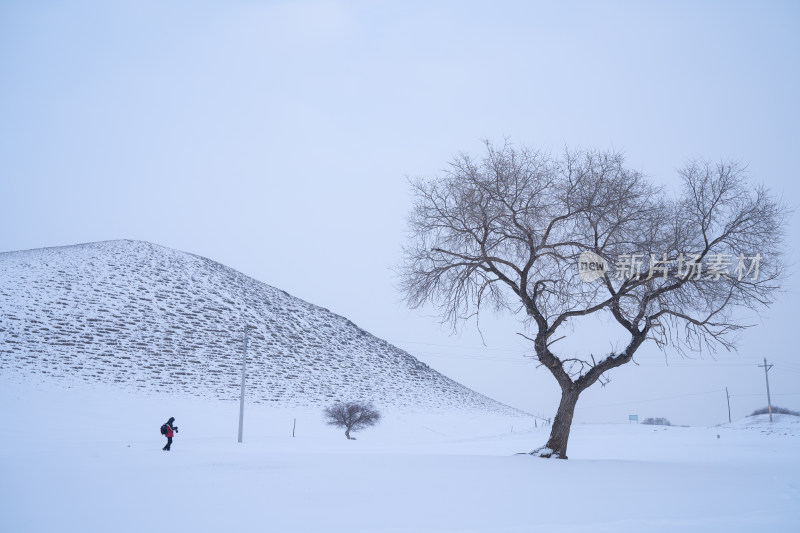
[(551, 240), (352, 416), (656, 421)]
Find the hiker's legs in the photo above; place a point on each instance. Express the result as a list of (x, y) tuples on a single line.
[(169, 444)]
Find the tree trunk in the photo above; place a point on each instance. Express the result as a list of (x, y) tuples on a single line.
[(347, 433), (559, 434)]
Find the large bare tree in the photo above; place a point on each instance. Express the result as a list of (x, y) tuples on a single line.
[(553, 239)]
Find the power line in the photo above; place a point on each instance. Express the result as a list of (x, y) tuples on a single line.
[(655, 399), (761, 394), (397, 342), (461, 347), (633, 402), (485, 353), (528, 354), (529, 358)]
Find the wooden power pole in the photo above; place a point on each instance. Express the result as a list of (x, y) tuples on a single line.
[(241, 396), (729, 404), (766, 374)]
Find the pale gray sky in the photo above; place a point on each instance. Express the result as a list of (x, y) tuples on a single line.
[(276, 137)]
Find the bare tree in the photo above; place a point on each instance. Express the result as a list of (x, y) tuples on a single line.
[(352, 416), (553, 239)]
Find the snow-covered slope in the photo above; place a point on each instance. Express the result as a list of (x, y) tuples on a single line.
[(781, 424), (140, 315)]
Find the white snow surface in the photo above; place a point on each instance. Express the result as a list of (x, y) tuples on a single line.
[(88, 458), (145, 317)]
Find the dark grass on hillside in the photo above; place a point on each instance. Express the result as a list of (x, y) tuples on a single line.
[(775, 410)]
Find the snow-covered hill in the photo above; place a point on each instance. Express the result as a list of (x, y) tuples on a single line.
[(781, 424), (139, 315)]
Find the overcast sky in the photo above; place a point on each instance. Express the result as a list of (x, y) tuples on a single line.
[(277, 138)]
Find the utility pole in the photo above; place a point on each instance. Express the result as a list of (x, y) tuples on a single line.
[(241, 397), (729, 404), (766, 374)]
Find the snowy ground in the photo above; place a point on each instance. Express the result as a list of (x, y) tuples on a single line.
[(90, 460)]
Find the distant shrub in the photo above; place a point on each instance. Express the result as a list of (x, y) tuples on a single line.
[(775, 410), (352, 416), (656, 422)]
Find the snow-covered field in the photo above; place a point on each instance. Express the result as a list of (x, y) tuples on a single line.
[(89, 459)]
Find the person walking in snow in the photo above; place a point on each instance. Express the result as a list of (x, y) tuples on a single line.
[(171, 429)]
